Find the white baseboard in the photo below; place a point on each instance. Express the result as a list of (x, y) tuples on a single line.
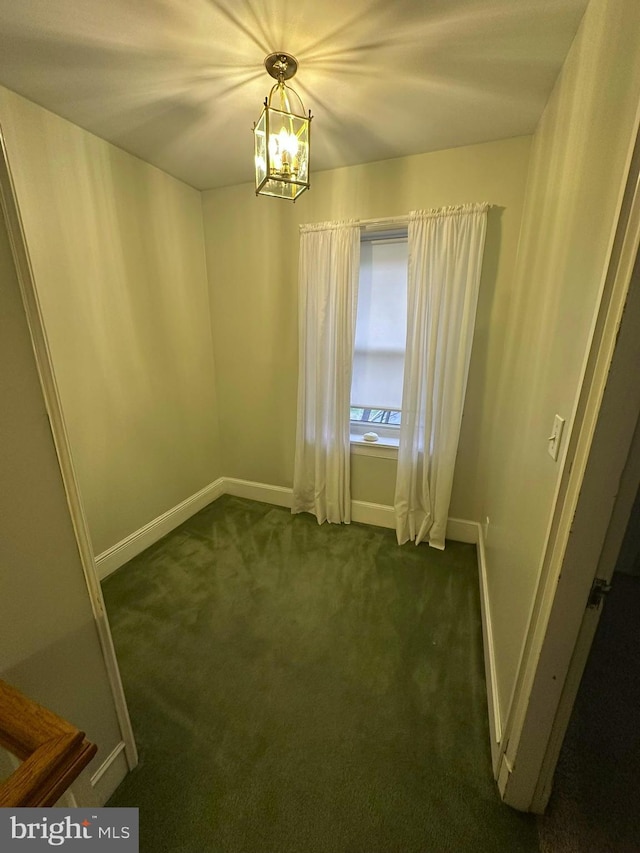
[(459, 530), (364, 512), (106, 764), (276, 495), (495, 722), (92, 790), (135, 543), (379, 515), (361, 511)]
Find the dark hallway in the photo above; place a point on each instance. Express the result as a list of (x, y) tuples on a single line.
[(594, 807)]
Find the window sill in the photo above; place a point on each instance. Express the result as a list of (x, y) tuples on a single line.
[(383, 448)]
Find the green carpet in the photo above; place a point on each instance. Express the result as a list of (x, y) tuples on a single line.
[(297, 688)]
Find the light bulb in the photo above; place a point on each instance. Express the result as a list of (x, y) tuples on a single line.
[(292, 144)]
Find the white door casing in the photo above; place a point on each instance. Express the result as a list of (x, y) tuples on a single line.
[(19, 249)]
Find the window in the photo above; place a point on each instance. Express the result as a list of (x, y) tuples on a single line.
[(381, 328)]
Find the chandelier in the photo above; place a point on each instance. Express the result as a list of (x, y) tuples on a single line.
[(281, 135)]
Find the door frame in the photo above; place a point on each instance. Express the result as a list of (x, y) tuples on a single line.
[(44, 363), (562, 629), (606, 566)]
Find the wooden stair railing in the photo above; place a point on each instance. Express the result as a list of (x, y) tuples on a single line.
[(53, 752)]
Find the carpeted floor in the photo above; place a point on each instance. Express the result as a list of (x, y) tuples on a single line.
[(297, 688)]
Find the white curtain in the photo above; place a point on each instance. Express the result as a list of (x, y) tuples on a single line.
[(445, 261), (328, 294)]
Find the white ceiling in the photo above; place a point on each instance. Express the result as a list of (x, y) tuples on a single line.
[(180, 82)]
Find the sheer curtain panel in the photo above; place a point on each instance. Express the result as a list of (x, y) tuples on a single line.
[(328, 293), (445, 261)]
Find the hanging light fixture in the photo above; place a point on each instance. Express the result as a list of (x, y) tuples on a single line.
[(281, 135)]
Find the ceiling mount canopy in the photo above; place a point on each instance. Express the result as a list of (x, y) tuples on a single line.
[(281, 135), (281, 65)]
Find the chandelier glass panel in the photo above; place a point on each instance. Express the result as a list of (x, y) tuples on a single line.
[(282, 135)]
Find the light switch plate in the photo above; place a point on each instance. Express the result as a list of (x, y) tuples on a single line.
[(556, 437)]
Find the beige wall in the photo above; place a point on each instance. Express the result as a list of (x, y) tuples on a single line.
[(578, 160), (49, 645), (118, 257), (252, 256)]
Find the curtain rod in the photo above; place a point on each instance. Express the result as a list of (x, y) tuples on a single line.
[(388, 220)]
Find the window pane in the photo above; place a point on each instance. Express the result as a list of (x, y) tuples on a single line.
[(390, 417), (378, 361)]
